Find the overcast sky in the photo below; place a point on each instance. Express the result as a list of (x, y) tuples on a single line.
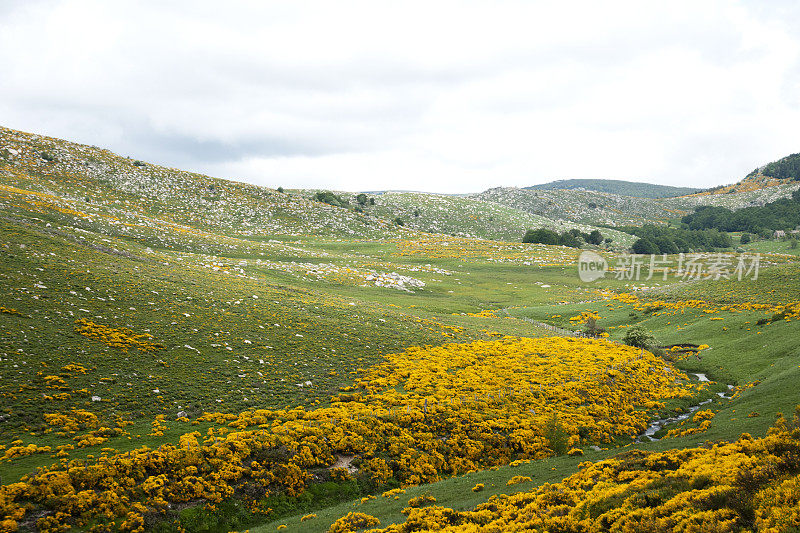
[(433, 96)]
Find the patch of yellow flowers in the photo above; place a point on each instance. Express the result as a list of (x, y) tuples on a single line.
[(353, 522), (423, 414), (789, 311), (751, 484), (123, 338), (584, 316)]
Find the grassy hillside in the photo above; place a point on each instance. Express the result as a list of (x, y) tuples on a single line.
[(463, 216), (751, 363), (764, 184), (618, 187), (595, 208), (743, 194), (104, 186), (178, 351), (249, 271), (587, 207)]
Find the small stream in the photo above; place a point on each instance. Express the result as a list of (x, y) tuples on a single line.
[(656, 425)]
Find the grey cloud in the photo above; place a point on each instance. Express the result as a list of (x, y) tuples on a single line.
[(457, 98), (186, 149)]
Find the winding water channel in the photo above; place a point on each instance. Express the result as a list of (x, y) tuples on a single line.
[(656, 425)]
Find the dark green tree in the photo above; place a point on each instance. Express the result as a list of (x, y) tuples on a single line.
[(570, 239), (541, 236), (329, 198), (666, 245), (645, 246)]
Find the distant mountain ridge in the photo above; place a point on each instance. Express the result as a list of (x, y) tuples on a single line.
[(79, 173), (784, 173), (624, 188), (111, 187)]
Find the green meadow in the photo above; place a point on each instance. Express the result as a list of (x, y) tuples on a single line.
[(255, 299)]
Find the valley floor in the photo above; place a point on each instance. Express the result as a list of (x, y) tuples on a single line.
[(170, 364)]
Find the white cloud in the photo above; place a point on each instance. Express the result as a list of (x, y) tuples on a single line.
[(439, 96)]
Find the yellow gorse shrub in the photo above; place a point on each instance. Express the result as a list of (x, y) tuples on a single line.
[(789, 311), (353, 522), (750, 484), (422, 414), (123, 338)]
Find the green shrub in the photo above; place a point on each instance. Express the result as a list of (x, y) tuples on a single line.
[(591, 329), (638, 336), (556, 435), (541, 236), (671, 240), (595, 237), (570, 239), (574, 238), (329, 198)]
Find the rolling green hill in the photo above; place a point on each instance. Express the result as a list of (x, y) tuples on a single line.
[(746, 193), (461, 216), (605, 209), (619, 187), (587, 207), (765, 184), (179, 352), (786, 168)]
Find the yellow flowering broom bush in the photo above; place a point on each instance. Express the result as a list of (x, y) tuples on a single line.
[(750, 484), (123, 338), (423, 414), (353, 522)]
